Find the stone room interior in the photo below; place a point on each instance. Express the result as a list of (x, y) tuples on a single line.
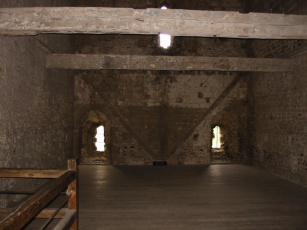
[(153, 114)]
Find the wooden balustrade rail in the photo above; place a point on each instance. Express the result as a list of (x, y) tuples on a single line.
[(34, 206)]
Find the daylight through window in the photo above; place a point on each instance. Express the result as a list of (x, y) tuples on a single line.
[(100, 144), (216, 140)]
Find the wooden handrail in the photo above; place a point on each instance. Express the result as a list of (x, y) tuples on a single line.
[(33, 207), (29, 173), (47, 213)]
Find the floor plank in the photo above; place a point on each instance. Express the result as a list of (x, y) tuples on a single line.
[(188, 197)]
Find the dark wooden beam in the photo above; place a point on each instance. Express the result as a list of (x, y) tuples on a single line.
[(48, 213), (133, 62), (44, 214), (4, 212), (94, 20)]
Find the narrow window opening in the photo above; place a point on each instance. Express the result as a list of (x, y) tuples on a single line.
[(216, 140), (100, 139), (165, 40), (219, 155)]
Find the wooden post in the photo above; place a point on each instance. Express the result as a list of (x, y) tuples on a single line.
[(72, 192)]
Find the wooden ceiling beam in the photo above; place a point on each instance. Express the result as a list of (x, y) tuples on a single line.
[(180, 63), (176, 22)]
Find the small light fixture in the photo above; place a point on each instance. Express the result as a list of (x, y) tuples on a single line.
[(165, 39)]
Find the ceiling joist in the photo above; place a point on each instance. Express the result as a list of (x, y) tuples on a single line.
[(95, 20), (179, 63)]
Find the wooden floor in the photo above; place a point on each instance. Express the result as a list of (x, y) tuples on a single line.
[(171, 197)]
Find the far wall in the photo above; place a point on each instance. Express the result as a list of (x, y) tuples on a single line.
[(151, 113)]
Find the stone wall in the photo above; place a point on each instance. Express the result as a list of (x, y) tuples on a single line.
[(277, 6), (278, 105), (36, 105), (150, 114), (161, 115), (280, 122)]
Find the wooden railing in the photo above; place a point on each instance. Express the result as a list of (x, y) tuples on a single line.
[(35, 205)]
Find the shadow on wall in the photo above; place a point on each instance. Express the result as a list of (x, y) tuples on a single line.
[(89, 154)]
